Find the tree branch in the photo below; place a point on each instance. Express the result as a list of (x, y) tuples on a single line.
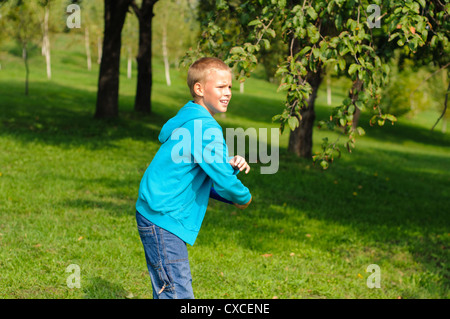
[(136, 9), (426, 79), (445, 107)]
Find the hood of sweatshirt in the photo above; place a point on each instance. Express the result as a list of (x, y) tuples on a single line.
[(188, 112)]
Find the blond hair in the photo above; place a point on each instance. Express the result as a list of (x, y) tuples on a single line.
[(200, 70)]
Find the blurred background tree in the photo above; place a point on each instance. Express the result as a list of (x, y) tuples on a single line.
[(21, 23)]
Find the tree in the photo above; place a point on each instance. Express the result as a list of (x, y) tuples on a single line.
[(130, 36), (108, 83), (353, 38), (144, 14), (21, 26), (46, 4)]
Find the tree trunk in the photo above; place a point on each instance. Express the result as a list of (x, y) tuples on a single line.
[(27, 69), (145, 14), (99, 50), (356, 88), (301, 139), (88, 48), (166, 56), (130, 63), (108, 82), (46, 43)]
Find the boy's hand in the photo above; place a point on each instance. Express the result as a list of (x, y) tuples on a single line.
[(238, 162), (243, 206)]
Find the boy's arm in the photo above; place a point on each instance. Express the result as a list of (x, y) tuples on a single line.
[(213, 159), (213, 194)]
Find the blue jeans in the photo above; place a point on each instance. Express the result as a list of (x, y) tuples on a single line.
[(167, 261)]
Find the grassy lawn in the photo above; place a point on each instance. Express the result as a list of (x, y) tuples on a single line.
[(68, 185)]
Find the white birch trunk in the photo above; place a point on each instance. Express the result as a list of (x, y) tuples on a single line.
[(46, 44), (129, 66), (99, 50), (165, 56)]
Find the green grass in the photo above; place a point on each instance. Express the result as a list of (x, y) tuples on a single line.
[(68, 186)]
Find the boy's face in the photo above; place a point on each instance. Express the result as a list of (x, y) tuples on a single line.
[(214, 93)]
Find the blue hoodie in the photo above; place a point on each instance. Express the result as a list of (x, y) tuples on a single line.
[(175, 189)]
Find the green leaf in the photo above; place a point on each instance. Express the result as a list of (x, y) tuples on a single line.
[(353, 68), (313, 34), (344, 51), (283, 87), (360, 131), (351, 109), (254, 22), (316, 53), (281, 70), (330, 7), (304, 51), (311, 12), (342, 64), (271, 32), (276, 117), (359, 105), (237, 50), (391, 117), (266, 44), (347, 101), (293, 122)]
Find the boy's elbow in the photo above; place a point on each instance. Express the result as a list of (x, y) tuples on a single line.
[(244, 206)]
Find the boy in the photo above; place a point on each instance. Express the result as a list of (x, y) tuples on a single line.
[(175, 189)]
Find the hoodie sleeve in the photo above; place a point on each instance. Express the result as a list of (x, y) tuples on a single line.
[(212, 156)]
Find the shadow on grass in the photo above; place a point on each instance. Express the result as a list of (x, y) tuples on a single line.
[(387, 201), (57, 115), (99, 288), (402, 132)]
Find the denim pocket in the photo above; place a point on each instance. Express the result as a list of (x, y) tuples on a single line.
[(150, 242)]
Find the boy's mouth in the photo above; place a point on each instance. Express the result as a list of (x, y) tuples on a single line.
[(224, 102)]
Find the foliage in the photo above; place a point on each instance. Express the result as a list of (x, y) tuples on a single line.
[(341, 34), (22, 20), (411, 89)]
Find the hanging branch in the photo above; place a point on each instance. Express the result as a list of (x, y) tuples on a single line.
[(445, 107)]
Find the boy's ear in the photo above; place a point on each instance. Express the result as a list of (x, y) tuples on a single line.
[(198, 89)]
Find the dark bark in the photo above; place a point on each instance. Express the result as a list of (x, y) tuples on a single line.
[(108, 82), (145, 15), (301, 139), (356, 88)]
